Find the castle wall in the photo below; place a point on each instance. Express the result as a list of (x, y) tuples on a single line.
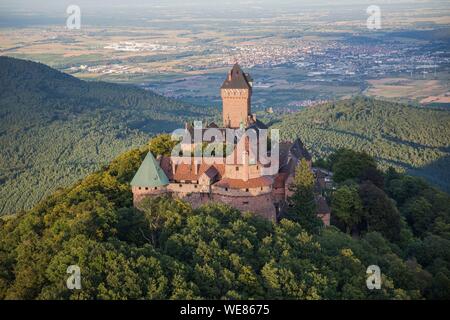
[(241, 192), (262, 205), (255, 200), (262, 202), (254, 171), (185, 188), (139, 193), (195, 199)]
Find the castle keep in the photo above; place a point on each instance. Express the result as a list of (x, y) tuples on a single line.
[(245, 184)]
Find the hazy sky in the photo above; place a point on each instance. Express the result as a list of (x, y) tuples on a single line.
[(111, 12), (43, 5)]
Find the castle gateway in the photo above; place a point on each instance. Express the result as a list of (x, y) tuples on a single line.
[(244, 182)]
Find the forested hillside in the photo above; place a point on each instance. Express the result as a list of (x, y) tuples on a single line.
[(405, 137), (55, 129), (167, 250)]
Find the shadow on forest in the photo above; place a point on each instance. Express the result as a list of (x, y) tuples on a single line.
[(414, 144), (437, 172)]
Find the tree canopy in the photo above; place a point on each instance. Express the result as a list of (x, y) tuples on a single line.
[(168, 250)]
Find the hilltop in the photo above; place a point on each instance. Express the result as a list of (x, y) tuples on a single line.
[(167, 250), (408, 138)]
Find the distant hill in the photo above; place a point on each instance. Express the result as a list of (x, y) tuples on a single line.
[(414, 139), (54, 128)]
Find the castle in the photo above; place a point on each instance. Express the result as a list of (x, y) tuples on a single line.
[(244, 183)]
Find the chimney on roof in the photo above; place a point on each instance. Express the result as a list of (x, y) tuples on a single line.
[(245, 170)]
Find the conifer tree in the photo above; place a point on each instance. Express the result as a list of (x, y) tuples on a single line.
[(302, 204), (347, 206)]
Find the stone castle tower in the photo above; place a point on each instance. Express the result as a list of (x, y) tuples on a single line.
[(236, 92)]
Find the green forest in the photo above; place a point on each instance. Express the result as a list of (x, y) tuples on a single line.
[(411, 139), (167, 250), (56, 129)]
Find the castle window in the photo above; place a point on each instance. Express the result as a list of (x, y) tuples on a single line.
[(257, 167), (146, 188), (246, 190), (261, 188), (245, 202), (180, 185), (156, 188), (237, 168), (195, 186), (226, 189)]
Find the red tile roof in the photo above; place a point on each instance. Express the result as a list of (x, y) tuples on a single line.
[(237, 79), (186, 171)]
